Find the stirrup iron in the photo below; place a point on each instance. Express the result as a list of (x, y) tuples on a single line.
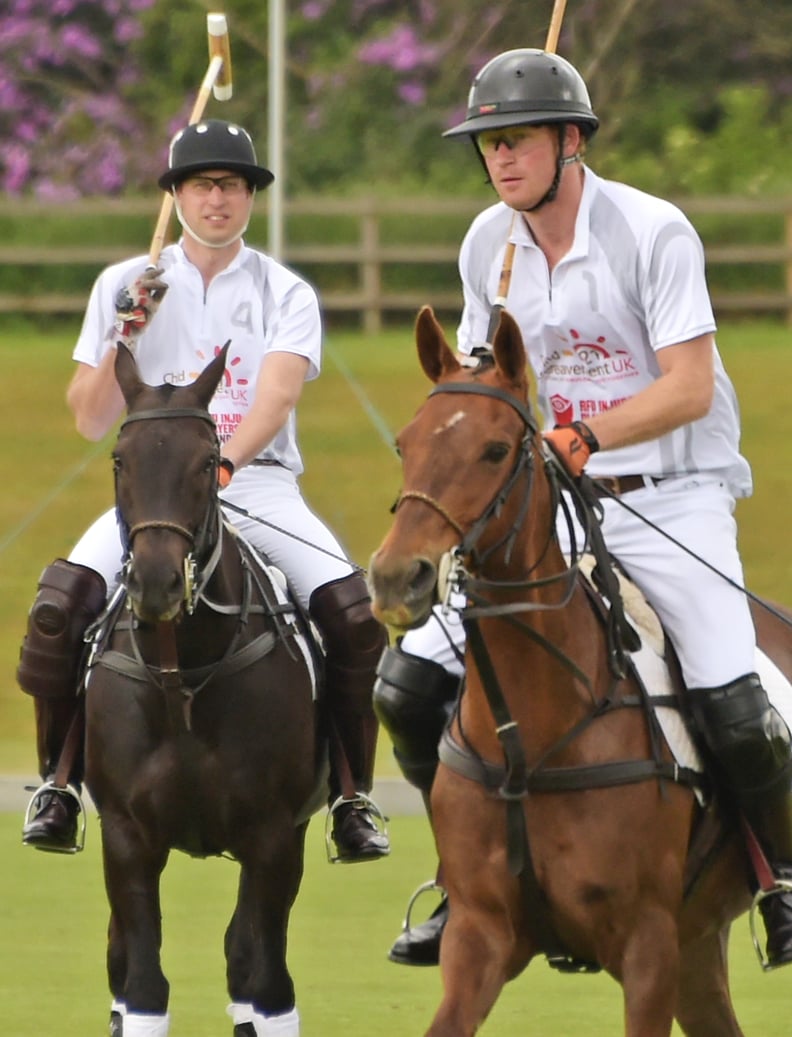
[(780, 886), (360, 800), (431, 886), (69, 790)]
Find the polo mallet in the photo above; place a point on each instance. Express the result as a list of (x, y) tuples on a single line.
[(551, 47), (217, 79)]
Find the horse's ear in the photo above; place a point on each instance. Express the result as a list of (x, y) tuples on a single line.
[(207, 381), (434, 352), (126, 372), (508, 347)]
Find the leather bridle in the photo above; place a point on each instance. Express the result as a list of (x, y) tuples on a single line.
[(208, 532)]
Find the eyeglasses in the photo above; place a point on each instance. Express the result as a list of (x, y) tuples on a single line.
[(206, 184), (514, 137)]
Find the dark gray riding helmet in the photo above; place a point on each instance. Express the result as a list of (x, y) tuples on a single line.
[(527, 86), (213, 144)]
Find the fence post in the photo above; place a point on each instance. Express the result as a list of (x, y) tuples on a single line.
[(788, 263), (371, 270)]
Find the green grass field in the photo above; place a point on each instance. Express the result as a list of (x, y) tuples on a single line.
[(53, 937), (54, 913)]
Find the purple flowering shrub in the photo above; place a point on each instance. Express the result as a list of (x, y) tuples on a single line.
[(67, 127)]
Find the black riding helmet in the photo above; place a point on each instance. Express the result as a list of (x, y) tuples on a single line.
[(522, 87), (213, 144)]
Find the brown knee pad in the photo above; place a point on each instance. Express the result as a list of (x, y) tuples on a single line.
[(68, 600), (353, 642)]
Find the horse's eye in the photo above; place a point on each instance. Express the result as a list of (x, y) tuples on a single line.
[(116, 463), (495, 452)]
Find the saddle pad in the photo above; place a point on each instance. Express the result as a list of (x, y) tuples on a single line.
[(650, 663), (283, 593)]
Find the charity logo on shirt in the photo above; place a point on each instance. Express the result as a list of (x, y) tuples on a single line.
[(578, 360), (230, 401)]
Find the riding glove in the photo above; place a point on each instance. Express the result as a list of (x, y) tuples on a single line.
[(573, 445), (137, 303)]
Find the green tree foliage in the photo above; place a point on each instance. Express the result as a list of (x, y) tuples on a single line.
[(692, 97), (67, 126)]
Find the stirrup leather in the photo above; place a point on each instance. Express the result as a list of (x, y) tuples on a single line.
[(781, 886), (69, 790), (362, 801)]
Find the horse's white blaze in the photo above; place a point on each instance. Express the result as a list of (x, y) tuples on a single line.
[(453, 420)]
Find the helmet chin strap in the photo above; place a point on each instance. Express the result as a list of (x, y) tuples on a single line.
[(552, 191), (202, 241)]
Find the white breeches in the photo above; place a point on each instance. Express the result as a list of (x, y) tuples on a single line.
[(269, 493), (708, 621)]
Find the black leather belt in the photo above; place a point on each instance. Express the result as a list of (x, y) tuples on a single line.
[(618, 485)]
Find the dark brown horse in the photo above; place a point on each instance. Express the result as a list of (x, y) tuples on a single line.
[(560, 821), (201, 733)]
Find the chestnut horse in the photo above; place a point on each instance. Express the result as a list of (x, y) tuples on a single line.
[(583, 845), (201, 730)]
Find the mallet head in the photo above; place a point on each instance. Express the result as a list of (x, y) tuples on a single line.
[(219, 45)]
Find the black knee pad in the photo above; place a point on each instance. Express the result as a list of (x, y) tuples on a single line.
[(414, 699), (68, 600), (746, 735)]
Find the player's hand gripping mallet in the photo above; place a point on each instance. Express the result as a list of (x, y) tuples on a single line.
[(217, 79)]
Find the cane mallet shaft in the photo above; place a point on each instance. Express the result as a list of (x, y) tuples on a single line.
[(217, 79), (557, 17), (503, 285), (551, 46)]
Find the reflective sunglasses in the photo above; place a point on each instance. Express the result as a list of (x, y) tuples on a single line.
[(513, 137)]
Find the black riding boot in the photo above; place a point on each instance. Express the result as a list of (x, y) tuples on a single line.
[(414, 699), (53, 813), (752, 748), (353, 641), (68, 599)]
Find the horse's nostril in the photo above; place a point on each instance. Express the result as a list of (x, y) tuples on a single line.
[(423, 576)]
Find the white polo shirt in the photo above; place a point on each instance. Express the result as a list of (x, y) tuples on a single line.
[(256, 302), (632, 283)]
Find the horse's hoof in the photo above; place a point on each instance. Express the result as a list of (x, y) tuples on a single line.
[(116, 1025), (53, 824), (244, 1030), (420, 945)]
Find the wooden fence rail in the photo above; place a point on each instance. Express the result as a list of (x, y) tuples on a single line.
[(368, 254)]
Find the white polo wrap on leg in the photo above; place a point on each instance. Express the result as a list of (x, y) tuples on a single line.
[(137, 1025), (286, 1025)]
